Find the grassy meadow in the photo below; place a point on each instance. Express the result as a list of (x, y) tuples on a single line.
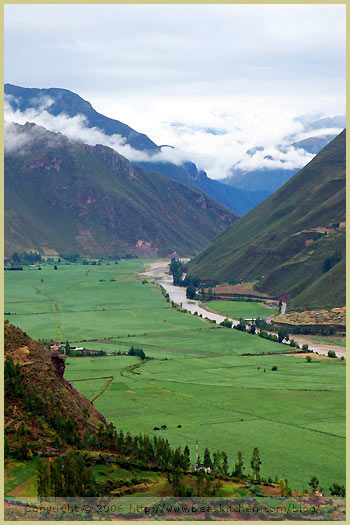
[(197, 383), (244, 309)]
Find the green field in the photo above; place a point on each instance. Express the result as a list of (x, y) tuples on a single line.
[(242, 309), (197, 377), (20, 478), (339, 341), (84, 302)]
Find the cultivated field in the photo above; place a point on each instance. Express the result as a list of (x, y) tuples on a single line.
[(244, 309), (197, 378), (242, 289)]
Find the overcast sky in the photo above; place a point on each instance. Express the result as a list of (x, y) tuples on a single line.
[(212, 80)]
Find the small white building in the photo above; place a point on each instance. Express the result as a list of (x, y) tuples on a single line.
[(200, 466)]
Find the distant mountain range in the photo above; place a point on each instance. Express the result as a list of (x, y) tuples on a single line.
[(269, 179), (264, 179), (61, 101), (70, 197), (293, 243), (313, 144)]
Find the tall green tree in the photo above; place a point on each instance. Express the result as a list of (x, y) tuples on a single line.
[(174, 478), (255, 464), (238, 470), (68, 348), (186, 459), (224, 463), (207, 459), (43, 479), (190, 292)]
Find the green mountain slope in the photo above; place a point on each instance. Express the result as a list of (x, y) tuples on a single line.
[(284, 242), (70, 197)]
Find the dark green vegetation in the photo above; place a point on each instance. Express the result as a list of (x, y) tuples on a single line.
[(197, 382), (70, 104), (286, 241), (66, 196)]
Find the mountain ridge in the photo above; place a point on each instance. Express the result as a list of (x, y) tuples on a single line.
[(72, 197), (283, 242), (58, 101)]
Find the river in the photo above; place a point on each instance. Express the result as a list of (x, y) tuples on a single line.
[(159, 270)]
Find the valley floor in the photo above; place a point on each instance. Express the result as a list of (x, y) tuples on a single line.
[(197, 383)]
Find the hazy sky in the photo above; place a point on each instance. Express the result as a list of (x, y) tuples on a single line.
[(212, 80)]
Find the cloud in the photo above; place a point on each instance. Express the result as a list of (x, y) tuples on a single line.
[(214, 139), (274, 158), (221, 49), (211, 80), (15, 141), (75, 128), (19, 138)]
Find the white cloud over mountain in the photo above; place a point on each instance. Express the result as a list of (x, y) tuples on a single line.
[(211, 80)]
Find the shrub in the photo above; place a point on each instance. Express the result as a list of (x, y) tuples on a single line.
[(305, 348), (337, 490), (332, 354), (308, 359)]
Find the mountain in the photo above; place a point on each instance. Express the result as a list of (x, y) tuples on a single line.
[(238, 200), (43, 412), (262, 178), (269, 179), (57, 101), (313, 144), (339, 121), (293, 243), (69, 197), (266, 180)]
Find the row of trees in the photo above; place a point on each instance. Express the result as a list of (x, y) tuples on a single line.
[(263, 325), (66, 476), (26, 257), (138, 352), (177, 269)]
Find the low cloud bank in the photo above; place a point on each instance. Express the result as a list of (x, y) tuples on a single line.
[(216, 142)]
